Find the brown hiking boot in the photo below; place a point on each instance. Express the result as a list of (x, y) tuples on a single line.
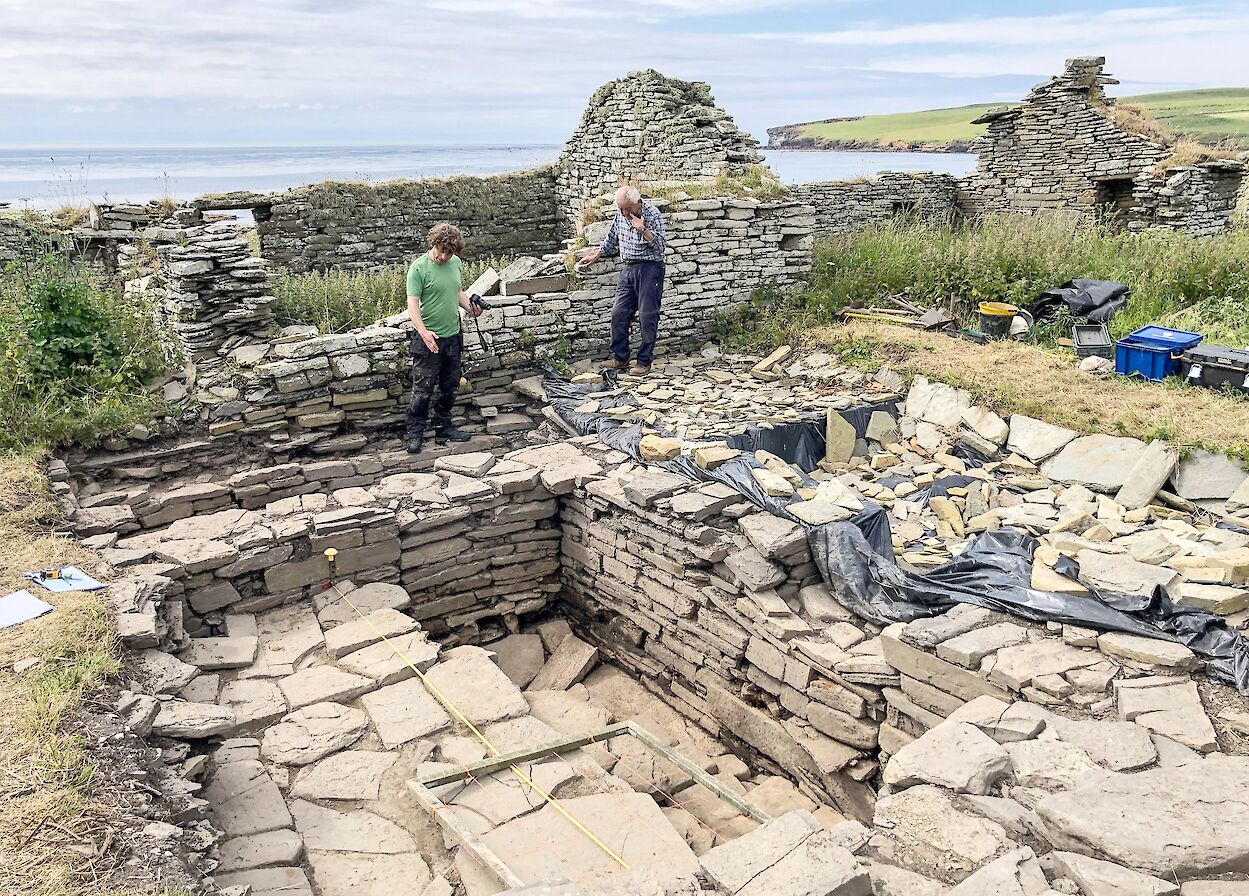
[(639, 370), (614, 364)]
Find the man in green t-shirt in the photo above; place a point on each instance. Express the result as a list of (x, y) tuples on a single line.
[(435, 297)]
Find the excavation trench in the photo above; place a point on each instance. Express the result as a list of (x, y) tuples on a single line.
[(310, 723)]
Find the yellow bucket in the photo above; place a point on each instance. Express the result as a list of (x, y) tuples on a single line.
[(996, 318)]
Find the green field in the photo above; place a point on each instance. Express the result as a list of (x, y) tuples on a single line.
[(1216, 115)]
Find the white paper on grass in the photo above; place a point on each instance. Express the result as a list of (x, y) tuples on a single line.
[(21, 606), (72, 579)]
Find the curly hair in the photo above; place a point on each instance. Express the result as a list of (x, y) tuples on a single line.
[(446, 237)]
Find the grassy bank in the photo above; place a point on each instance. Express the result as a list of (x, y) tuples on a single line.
[(50, 802), (76, 356), (1218, 115), (338, 301), (1175, 280)]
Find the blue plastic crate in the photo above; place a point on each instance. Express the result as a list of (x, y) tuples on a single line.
[(1164, 337), (1145, 360)]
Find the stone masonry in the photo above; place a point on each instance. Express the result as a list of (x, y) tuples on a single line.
[(1061, 150), (968, 753), (845, 206), (646, 128), (360, 226)]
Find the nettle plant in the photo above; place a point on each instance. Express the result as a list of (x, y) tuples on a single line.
[(68, 335)]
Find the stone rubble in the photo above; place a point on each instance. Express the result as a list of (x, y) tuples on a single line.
[(953, 753)]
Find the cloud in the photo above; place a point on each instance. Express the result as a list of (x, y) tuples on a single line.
[(509, 70)]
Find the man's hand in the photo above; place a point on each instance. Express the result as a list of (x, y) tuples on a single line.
[(591, 257), (474, 309), (637, 222), (430, 340)]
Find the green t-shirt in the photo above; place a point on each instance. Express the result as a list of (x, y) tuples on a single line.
[(438, 288)]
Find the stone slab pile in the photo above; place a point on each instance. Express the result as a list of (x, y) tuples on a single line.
[(214, 297), (711, 394)]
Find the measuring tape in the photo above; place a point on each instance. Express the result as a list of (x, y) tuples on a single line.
[(331, 555)]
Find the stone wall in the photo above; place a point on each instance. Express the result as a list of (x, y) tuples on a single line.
[(20, 241), (476, 540), (847, 205), (1062, 150), (1199, 199), (662, 579), (647, 128), (719, 250), (361, 226)]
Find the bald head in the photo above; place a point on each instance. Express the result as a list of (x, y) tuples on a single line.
[(628, 199)]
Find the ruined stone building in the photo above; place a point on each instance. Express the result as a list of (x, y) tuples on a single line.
[(1064, 149)]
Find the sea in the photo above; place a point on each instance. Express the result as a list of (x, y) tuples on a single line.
[(47, 178)]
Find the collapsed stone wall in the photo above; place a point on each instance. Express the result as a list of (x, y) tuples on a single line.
[(357, 226), (645, 127), (1062, 150), (18, 241), (844, 206)]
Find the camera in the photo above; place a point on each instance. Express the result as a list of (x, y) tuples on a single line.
[(478, 302)]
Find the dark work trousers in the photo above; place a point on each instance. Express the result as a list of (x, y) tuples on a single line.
[(639, 290), (430, 369)]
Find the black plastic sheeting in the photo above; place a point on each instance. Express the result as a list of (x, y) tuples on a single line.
[(856, 557), (1095, 300)]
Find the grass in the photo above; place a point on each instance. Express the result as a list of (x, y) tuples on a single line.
[(76, 354), (1176, 280), (338, 301), (1214, 116), (50, 797), (1005, 376)]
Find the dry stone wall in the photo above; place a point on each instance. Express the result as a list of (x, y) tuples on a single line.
[(719, 250), (475, 540), (844, 206), (645, 127), (361, 226), (1062, 150)]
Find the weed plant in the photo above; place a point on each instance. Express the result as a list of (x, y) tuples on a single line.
[(76, 356), (1176, 280), (337, 301)]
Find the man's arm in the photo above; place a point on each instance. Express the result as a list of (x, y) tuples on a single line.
[(466, 302), (654, 234)]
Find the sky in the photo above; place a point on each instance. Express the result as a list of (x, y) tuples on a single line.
[(317, 72)]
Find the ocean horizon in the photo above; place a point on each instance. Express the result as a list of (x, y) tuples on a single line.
[(50, 177)]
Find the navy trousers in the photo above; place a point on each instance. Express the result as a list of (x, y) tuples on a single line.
[(638, 292)]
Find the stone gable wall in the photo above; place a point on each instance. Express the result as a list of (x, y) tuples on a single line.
[(363, 226), (1061, 150), (846, 205), (648, 128)]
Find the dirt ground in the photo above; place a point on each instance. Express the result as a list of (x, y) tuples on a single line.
[(1013, 377)]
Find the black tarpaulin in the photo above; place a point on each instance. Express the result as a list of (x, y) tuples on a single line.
[(1094, 300), (856, 560)]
